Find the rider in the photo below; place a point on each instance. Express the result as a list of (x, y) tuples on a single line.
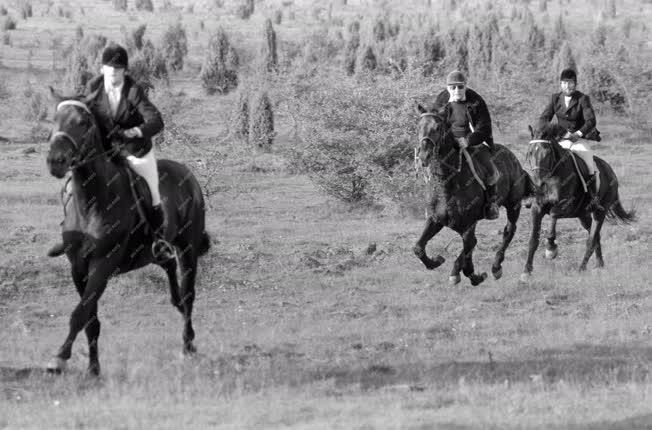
[(128, 120), (575, 114), (470, 122)]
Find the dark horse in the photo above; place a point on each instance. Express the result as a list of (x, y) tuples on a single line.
[(457, 200), (103, 232), (560, 194)]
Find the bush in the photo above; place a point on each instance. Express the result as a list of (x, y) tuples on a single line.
[(268, 52), (3, 11), (245, 9), (239, 124), (602, 86), (6, 38), (261, 131), (563, 60), (5, 92), (175, 46), (120, 5), (36, 108), (79, 33), (77, 70), (145, 5), (155, 61), (8, 23), (26, 10), (367, 61), (219, 70), (278, 16)]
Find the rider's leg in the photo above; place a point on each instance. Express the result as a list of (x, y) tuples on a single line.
[(583, 151), (146, 167), (485, 158)]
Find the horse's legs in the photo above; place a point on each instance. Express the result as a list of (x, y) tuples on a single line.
[(92, 328), (84, 316), (187, 298), (537, 216), (593, 241), (464, 261), (170, 267), (429, 231), (551, 246), (513, 212), (587, 221)]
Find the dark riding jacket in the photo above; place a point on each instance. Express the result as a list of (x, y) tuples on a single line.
[(477, 113), (578, 116), (134, 110)]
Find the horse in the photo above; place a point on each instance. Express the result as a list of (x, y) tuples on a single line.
[(104, 231), (457, 200), (560, 194)]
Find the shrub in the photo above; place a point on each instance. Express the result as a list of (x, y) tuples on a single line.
[(120, 5), (5, 92), (175, 46), (36, 108), (261, 131), (6, 38), (563, 60), (3, 10), (77, 70), (26, 10), (145, 5), (240, 118), (278, 16), (219, 70), (367, 60), (602, 86), (268, 54), (245, 9), (8, 23), (155, 60), (79, 33)]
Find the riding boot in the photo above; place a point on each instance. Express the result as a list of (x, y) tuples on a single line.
[(594, 198), (57, 249), (491, 209), (162, 250)]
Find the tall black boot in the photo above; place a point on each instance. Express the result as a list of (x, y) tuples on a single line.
[(491, 209), (162, 250)]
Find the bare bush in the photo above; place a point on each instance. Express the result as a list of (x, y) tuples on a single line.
[(8, 23), (261, 130), (120, 5), (36, 106), (219, 70), (278, 16), (268, 52), (26, 10), (245, 9), (77, 70), (6, 38), (145, 5), (239, 123), (175, 46)]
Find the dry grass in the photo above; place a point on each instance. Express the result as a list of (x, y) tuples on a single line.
[(299, 324)]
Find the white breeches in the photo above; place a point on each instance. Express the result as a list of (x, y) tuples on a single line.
[(583, 151), (146, 167)]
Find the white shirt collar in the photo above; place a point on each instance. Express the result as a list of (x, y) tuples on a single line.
[(108, 87)]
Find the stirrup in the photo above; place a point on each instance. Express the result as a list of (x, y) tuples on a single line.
[(162, 250)]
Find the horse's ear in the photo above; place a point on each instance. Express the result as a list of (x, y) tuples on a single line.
[(58, 98), (529, 127), (419, 109)]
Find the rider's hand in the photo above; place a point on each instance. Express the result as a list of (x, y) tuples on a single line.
[(132, 132), (574, 137), (462, 142)]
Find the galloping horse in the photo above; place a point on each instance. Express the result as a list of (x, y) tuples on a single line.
[(457, 200), (103, 231), (560, 194)]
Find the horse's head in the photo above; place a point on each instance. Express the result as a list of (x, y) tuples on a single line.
[(431, 133), (72, 137), (544, 154)]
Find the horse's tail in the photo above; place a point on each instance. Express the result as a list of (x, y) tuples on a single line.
[(618, 213), (205, 244)]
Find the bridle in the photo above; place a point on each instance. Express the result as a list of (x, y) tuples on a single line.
[(441, 136), (528, 157), (75, 162)]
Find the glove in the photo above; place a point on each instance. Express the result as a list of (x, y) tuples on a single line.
[(462, 142)]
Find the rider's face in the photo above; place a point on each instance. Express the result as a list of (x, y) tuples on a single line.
[(568, 87), (456, 92), (115, 75)]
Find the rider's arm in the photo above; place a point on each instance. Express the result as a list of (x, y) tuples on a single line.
[(548, 112), (482, 128), (152, 120), (588, 114)]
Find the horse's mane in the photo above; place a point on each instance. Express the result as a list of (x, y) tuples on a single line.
[(552, 132)]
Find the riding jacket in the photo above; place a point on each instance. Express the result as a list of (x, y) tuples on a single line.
[(578, 116), (476, 112), (134, 110)]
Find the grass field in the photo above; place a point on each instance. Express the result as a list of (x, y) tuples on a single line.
[(300, 322)]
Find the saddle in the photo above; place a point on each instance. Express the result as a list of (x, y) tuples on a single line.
[(139, 191), (582, 170)]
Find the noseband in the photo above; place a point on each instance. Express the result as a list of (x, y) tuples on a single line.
[(528, 156)]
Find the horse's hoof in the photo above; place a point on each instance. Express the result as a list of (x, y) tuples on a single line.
[(94, 369), (189, 350), (433, 264), (56, 366), (551, 254), (525, 277), (497, 273), (454, 279), (478, 279)]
